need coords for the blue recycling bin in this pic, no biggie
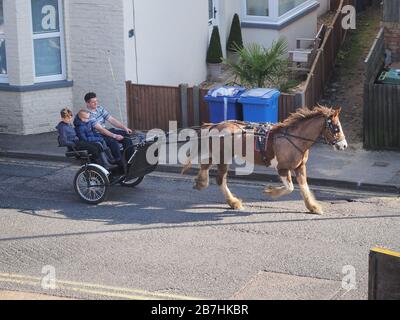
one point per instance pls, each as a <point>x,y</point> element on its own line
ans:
<point>260,105</point>
<point>223,103</point>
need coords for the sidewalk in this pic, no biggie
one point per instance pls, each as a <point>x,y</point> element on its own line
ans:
<point>362,170</point>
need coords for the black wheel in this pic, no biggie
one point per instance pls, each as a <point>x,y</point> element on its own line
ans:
<point>131,183</point>
<point>91,185</point>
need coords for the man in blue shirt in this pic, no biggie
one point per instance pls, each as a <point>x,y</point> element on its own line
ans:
<point>113,136</point>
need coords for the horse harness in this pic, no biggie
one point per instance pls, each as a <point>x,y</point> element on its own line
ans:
<point>262,133</point>
<point>332,128</point>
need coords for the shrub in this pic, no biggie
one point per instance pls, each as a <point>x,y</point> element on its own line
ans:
<point>214,52</point>
<point>235,40</point>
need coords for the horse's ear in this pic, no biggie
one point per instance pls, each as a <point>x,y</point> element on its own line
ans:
<point>337,112</point>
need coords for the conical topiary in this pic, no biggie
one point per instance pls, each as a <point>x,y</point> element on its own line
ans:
<point>214,52</point>
<point>235,40</point>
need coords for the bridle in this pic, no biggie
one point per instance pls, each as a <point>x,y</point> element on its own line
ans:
<point>333,130</point>
<point>331,135</point>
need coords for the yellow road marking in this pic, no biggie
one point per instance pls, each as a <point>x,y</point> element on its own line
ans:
<point>387,252</point>
<point>104,290</point>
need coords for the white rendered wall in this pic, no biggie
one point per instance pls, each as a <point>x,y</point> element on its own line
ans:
<point>171,38</point>
<point>305,27</point>
<point>96,41</point>
<point>324,7</point>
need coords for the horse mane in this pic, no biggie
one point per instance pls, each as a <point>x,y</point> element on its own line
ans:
<point>304,114</point>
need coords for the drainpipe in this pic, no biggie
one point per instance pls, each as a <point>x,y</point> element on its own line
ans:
<point>132,33</point>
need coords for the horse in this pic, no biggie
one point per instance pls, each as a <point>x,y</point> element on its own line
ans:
<point>286,147</point>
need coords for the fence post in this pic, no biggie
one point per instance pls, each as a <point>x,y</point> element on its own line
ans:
<point>128,85</point>
<point>184,105</point>
<point>196,105</point>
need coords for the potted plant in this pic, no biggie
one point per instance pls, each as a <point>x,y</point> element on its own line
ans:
<point>258,65</point>
<point>235,40</point>
<point>214,55</point>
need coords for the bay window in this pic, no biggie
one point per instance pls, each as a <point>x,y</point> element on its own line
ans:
<point>48,40</point>
<point>274,10</point>
<point>3,59</point>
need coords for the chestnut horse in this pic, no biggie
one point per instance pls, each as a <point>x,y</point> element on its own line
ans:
<point>286,148</point>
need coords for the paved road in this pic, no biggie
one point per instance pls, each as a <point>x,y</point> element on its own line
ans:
<point>165,241</point>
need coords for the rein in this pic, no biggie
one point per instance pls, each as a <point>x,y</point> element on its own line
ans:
<point>287,136</point>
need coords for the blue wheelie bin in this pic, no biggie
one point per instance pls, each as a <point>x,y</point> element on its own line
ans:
<point>260,105</point>
<point>223,103</point>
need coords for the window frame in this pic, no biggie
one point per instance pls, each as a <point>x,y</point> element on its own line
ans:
<point>4,77</point>
<point>46,35</point>
<point>274,17</point>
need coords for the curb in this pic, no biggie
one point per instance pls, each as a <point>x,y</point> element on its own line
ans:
<point>262,177</point>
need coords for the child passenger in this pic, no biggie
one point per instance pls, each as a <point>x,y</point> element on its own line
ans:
<point>67,137</point>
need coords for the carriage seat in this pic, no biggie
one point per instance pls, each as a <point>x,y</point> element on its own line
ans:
<point>81,154</point>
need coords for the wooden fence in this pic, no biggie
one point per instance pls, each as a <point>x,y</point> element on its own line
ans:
<point>391,11</point>
<point>152,107</point>
<point>324,62</point>
<point>381,103</point>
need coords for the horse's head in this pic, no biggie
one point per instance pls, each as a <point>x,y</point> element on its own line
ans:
<point>333,131</point>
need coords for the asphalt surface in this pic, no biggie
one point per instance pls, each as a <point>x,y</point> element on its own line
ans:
<point>164,240</point>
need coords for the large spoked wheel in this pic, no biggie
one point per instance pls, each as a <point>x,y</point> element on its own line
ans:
<point>131,183</point>
<point>91,185</point>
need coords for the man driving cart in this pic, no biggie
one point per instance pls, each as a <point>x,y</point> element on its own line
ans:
<point>114,136</point>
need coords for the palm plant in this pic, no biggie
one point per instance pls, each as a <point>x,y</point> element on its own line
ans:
<point>258,65</point>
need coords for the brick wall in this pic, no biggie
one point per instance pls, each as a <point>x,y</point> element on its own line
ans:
<point>11,119</point>
<point>392,39</point>
<point>32,112</point>
<point>42,111</point>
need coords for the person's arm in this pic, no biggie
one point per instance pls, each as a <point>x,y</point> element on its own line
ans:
<point>81,133</point>
<point>62,137</point>
<point>118,124</point>
<point>108,133</point>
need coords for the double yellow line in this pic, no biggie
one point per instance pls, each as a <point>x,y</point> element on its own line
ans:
<point>91,289</point>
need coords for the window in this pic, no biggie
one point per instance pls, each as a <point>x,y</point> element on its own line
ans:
<point>3,60</point>
<point>287,5</point>
<point>257,8</point>
<point>274,10</point>
<point>48,42</point>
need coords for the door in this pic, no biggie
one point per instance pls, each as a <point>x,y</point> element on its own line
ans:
<point>213,12</point>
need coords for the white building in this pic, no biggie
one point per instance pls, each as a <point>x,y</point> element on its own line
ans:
<point>54,51</point>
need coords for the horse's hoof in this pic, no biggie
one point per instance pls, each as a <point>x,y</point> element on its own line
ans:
<point>272,192</point>
<point>316,210</point>
<point>269,191</point>
<point>236,204</point>
<point>200,186</point>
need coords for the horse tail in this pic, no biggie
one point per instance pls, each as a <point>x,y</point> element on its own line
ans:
<point>186,167</point>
